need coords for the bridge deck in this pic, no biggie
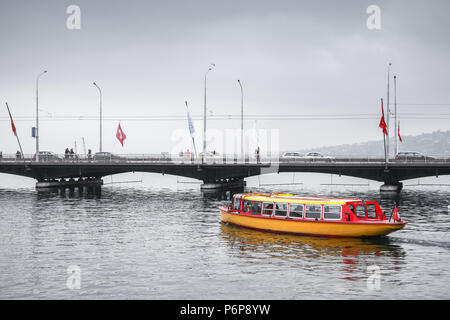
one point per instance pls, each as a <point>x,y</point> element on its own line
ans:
<point>220,169</point>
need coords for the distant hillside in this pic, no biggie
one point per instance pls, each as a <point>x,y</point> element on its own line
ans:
<point>435,143</point>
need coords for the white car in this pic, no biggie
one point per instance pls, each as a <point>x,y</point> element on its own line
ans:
<point>317,156</point>
<point>211,155</point>
<point>291,155</point>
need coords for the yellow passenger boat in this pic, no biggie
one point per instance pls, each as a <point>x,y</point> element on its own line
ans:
<point>318,216</point>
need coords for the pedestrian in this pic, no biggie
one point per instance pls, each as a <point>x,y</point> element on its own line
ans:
<point>18,155</point>
<point>257,155</point>
<point>89,154</point>
<point>66,153</point>
<point>72,153</point>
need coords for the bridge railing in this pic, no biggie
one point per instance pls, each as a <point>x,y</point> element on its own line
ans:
<point>135,158</point>
<point>210,159</point>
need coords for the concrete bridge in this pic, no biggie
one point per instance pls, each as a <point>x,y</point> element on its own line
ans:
<point>217,173</point>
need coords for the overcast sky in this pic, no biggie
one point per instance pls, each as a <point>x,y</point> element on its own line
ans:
<point>301,58</point>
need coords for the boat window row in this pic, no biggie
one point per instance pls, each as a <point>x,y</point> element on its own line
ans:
<point>361,211</point>
<point>291,210</point>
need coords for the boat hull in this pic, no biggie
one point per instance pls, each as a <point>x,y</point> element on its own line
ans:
<point>315,228</point>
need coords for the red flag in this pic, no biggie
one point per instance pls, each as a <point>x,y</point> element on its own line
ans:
<point>120,135</point>
<point>396,215</point>
<point>13,127</point>
<point>399,137</point>
<point>382,124</point>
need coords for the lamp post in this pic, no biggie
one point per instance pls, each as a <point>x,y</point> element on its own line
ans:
<point>37,114</point>
<point>242,120</point>
<point>100,91</point>
<point>204,115</point>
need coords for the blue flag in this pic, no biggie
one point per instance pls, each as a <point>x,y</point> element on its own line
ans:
<point>190,123</point>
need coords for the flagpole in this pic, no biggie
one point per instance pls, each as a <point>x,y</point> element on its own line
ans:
<point>15,132</point>
<point>395,115</point>
<point>384,139</point>
<point>388,111</point>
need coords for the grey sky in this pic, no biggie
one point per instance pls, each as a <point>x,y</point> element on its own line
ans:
<point>293,57</point>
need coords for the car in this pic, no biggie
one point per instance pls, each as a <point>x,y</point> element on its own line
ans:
<point>211,155</point>
<point>106,156</point>
<point>47,156</point>
<point>291,156</point>
<point>317,156</point>
<point>412,155</point>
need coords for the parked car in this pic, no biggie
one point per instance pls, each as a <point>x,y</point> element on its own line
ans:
<point>106,156</point>
<point>47,156</point>
<point>291,156</point>
<point>412,155</point>
<point>317,156</point>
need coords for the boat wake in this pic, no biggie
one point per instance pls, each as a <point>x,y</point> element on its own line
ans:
<point>423,242</point>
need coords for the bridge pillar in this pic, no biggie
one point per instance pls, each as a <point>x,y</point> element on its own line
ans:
<point>82,184</point>
<point>225,185</point>
<point>391,188</point>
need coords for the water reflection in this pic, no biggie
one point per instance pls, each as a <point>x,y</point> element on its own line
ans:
<point>88,193</point>
<point>221,194</point>
<point>347,252</point>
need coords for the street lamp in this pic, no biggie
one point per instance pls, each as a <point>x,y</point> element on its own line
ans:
<point>204,116</point>
<point>37,114</point>
<point>242,120</point>
<point>100,91</point>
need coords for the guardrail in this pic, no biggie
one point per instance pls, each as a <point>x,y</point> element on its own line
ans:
<point>217,159</point>
<point>143,158</point>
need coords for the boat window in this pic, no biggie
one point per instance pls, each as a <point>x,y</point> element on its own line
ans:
<point>332,212</point>
<point>360,211</point>
<point>237,203</point>
<point>256,207</point>
<point>295,210</point>
<point>246,206</point>
<point>313,211</point>
<point>371,211</point>
<point>280,209</point>
<point>267,208</point>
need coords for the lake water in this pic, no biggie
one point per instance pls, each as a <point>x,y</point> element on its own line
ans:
<point>159,239</point>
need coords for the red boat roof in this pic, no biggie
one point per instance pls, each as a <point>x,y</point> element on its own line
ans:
<point>291,197</point>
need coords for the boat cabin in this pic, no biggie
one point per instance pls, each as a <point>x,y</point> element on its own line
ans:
<point>283,206</point>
